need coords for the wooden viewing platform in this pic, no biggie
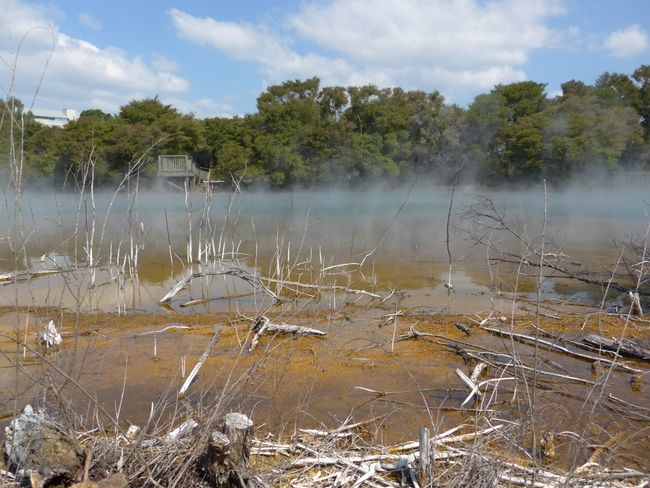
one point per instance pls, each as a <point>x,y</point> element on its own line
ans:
<point>178,170</point>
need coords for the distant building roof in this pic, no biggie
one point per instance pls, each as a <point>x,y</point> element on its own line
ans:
<point>54,118</point>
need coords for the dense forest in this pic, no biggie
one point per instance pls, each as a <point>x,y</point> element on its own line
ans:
<point>304,134</point>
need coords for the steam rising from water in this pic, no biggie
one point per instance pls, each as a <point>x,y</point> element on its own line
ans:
<point>408,231</point>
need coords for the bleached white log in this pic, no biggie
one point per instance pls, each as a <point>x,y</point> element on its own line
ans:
<point>263,325</point>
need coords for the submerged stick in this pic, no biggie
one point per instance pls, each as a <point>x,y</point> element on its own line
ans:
<point>298,284</point>
<point>254,281</point>
<point>7,278</point>
<point>449,284</point>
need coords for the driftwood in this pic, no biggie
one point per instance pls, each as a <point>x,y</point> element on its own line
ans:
<point>391,458</point>
<point>343,431</point>
<point>508,361</point>
<point>8,278</point>
<point>556,347</point>
<point>625,347</point>
<point>576,343</point>
<point>174,435</point>
<point>254,281</point>
<point>263,324</point>
<point>188,381</point>
<point>345,289</point>
<point>473,384</point>
<point>224,460</point>
<point>387,468</point>
<point>258,282</point>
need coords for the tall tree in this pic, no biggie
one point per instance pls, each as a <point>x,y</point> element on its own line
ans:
<point>589,131</point>
<point>511,120</point>
<point>642,78</point>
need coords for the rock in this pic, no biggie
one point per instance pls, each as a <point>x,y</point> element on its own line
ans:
<point>36,448</point>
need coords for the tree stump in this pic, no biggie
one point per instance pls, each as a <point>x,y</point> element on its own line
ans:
<point>226,458</point>
<point>215,458</point>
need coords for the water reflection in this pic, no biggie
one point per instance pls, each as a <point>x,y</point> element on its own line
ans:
<point>126,250</point>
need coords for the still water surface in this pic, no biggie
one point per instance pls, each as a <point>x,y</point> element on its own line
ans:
<point>141,244</point>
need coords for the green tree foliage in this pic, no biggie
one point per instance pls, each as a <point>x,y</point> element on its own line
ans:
<point>616,88</point>
<point>510,122</point>
<point>306,134</point>
<point>641,77</point>
<point>589,132</point>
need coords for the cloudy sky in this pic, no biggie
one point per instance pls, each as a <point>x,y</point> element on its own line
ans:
<point>213,57</point>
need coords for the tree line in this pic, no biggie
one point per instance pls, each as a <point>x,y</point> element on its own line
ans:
<point>305,134</point>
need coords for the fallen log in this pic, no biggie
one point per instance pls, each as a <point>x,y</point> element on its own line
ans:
<point>555,347</point>
<point>624,347</point>
<point>576,343</point>
<point>507,361</point>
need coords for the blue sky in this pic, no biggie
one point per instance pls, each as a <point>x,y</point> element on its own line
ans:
<point>212,58</point>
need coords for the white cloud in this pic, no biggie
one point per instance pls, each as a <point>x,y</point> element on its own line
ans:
<point>628,42</point>
<point>162,63</point>
<point>241,41</point>
<point>76,73</point>
<point>89,21</point>
<point>457,46</point>
<point>201,108</point>
<point>456,32</point>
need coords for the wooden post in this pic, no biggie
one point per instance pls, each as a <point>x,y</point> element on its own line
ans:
<point>426,470</point>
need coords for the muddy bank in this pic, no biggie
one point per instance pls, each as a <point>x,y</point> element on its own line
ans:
<point>366,366</point>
